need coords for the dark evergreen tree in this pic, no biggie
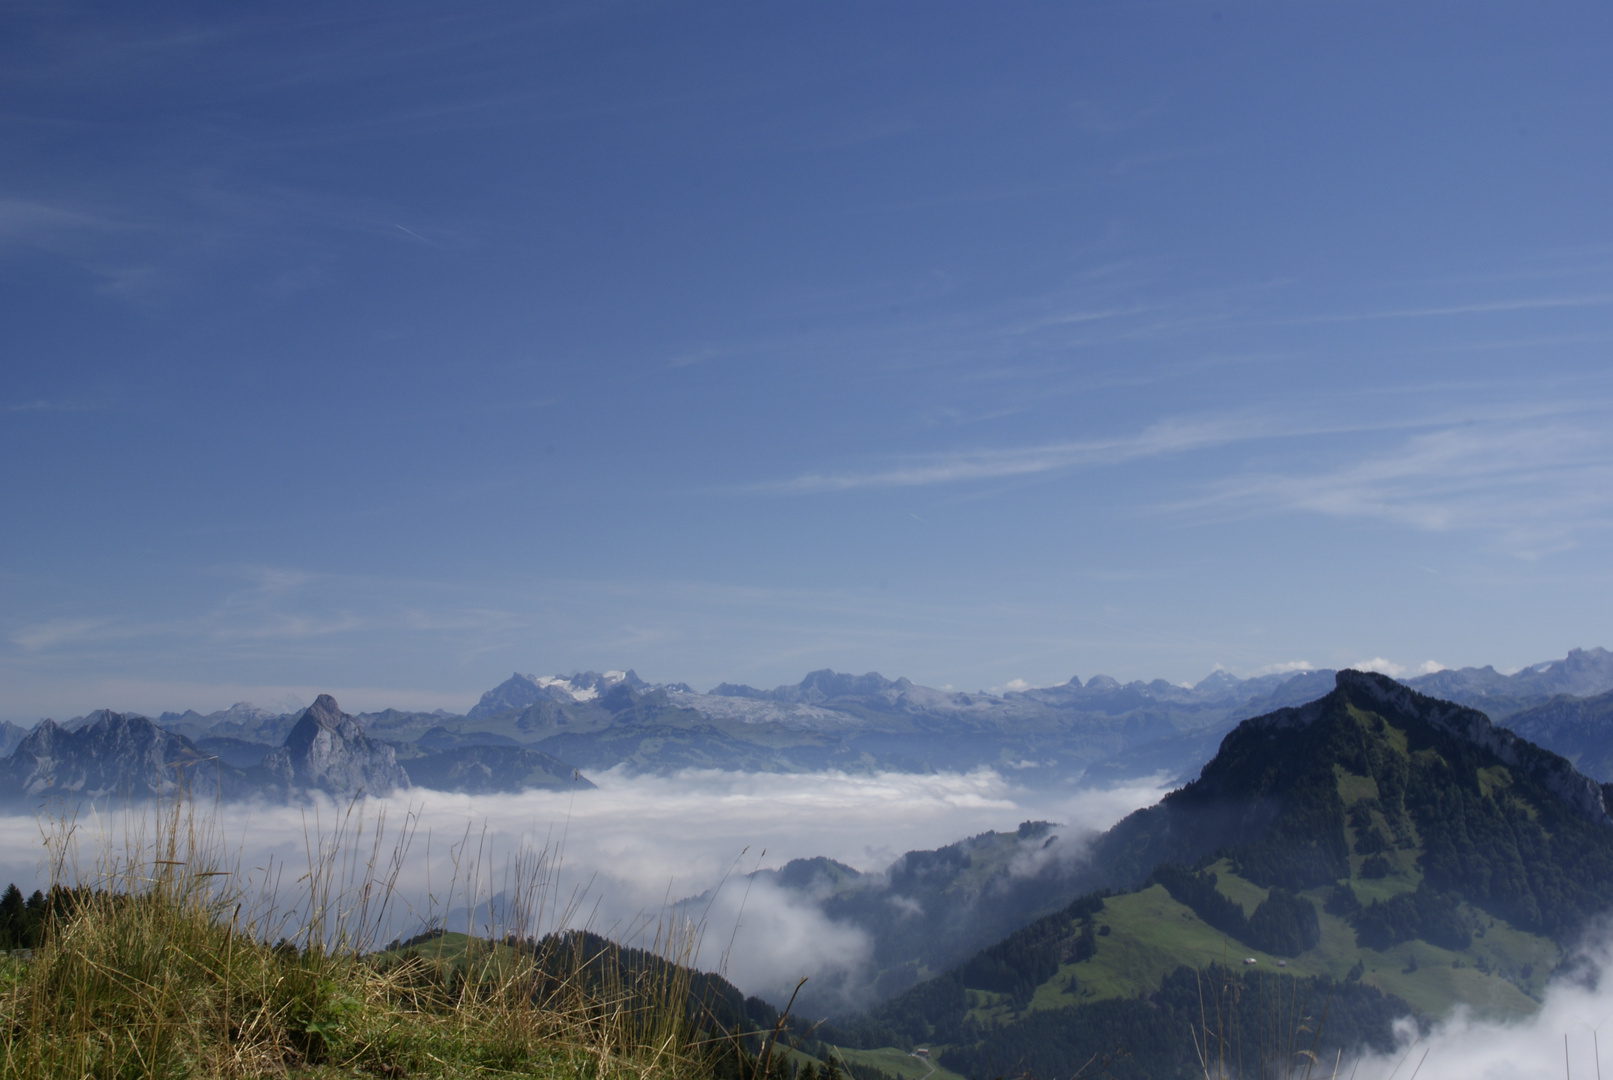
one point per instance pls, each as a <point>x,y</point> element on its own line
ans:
<point>1284,924</point>
<point>13,914</point>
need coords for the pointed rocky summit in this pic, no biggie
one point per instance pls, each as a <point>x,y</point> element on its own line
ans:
<point>328,751</point>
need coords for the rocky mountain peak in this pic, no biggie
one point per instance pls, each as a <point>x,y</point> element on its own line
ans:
<point>1217,680</point>
<point>827,684</point>
<point>328,751</point>
<point>109,754</point>
<point>325,712</point>
<point>11,735</point>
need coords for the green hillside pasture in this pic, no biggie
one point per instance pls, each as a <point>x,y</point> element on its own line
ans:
<point>1151,934</point>
<point>898,1063</point>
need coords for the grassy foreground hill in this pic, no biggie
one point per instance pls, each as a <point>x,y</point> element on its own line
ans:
<point>165,961</point>
<point>1373,854</point>
<point>162,983</point>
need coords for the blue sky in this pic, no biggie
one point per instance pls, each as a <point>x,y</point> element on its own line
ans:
<point>389,350</point>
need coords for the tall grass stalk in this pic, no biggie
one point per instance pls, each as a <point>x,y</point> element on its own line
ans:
<point>163,958</point>
<point>1285,1039</point>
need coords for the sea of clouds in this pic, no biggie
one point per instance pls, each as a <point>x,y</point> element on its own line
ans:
<point>617,858</point>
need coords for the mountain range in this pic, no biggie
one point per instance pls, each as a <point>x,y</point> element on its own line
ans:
<point>1097,730</point>
<point>544,731</point>
<point>109,755</point>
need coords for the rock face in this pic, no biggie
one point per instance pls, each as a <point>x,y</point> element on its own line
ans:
<point>112,754</point>
<point>328,751</point>
<point>10,735</point>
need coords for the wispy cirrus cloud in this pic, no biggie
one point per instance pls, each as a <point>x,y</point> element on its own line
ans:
<point>1534,476</point>
<point>1493,307</point>
<point>28,220</point>
<point>48,405</point>
<point>1534,484</point>
<point>44,635</point>
<point>1158,440</point>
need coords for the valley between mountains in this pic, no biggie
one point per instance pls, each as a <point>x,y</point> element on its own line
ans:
<point>1361,849</point>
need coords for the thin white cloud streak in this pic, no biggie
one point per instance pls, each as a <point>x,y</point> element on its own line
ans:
<point>1533,485</point>
<point>1161,439</point>
<point>56,632</point>
<point>1540,303</point>
<point>638,843</point>
<point>45,405</point>
<point>1510,440</point>
<point>1561,1039</point>
<point>25,220</point>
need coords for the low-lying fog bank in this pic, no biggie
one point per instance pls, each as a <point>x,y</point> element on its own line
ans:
<point>629,848</point>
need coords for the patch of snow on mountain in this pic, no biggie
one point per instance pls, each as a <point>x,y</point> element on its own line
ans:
<point>564,685</point>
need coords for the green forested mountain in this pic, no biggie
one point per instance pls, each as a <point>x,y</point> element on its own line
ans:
<point>1371,854</point>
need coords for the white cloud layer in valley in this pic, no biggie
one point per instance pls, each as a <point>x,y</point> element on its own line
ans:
<point>636,844</point>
